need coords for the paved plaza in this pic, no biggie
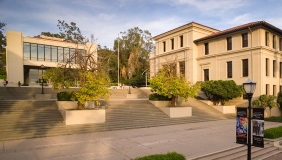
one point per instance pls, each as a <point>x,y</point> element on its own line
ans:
<point>191,140</point>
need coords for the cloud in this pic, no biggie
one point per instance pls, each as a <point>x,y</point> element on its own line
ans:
<point>241,19</point>
<point>208,5</point>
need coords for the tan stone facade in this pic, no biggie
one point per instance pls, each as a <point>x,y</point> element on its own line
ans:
<point>251,50</point>
<point>25,55</point>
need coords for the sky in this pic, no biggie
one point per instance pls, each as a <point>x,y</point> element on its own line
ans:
<point>107,18</point>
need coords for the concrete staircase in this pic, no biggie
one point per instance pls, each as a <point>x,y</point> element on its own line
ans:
<point>240,153</point>
<point>30,119</point>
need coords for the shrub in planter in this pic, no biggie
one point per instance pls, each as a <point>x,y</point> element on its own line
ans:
<point>157,97</point>
<point>65,96</point>
<point>273,133</point>
<point>168,156</point>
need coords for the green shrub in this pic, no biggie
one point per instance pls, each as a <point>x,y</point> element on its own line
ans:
<point>273,133</point>
<point>157,97</point>
<point>65,96</point>
<point>168,156</point>
<point>25,84</point>
<point>274,119</point>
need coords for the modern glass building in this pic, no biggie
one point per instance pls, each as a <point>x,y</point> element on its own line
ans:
<point>27,55</point>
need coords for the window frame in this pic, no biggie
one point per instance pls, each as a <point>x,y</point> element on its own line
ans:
<point>229,69</point>
<point>245,67</point>
<point>245,40</point>
<point>266,38</point>
<point>229,43</point>
<point>206,48</point>
<point>206,74</point>
<point>172,43</point>
<point>181,39</point>
<point>266,66</point>
<point>274,41</point>
<point>164,46</point>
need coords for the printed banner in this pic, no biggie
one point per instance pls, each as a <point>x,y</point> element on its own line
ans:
<point>241,126</point>
<point>258,127</point>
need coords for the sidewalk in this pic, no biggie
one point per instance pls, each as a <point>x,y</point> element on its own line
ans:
<point>191,140</point>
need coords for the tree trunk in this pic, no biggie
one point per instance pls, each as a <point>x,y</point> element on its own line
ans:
<point>80,106</point>
<point>270,112</point>
<point>173,101</point>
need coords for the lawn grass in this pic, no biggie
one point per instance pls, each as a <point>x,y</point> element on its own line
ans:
<point>168,156</point>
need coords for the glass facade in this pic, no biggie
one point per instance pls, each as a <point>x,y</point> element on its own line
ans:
<point>41,52</point>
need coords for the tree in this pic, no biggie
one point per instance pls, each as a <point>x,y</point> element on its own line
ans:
<point>135,46</point>
<point>2,38</point>
<point>170,84</point>
<point>82,67</point>
<point>221,91</point>
<point>266,101</point>
<point>69,32</point>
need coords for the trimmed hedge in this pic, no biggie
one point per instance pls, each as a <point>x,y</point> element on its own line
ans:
<point>168,156</point>
<point>65,96</point>
<point>274,119</point>
<point>157,97</point>
<point>273,133</point>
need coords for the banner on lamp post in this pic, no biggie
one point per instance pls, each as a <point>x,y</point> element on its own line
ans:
<point>241,125</point>
<point>258,127</point>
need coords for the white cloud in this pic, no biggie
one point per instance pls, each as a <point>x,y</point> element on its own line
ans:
<point>241,19</point>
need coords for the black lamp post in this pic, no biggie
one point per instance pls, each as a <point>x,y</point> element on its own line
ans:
<point>129,76</point>
<point>249,87</point>
<point>42,80</point>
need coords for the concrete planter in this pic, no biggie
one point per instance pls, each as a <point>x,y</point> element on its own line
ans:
<point>83,116</point>
<point>225,109</point>
<point>161,103</point>
<point>173,112</point>
<point>66,105</point>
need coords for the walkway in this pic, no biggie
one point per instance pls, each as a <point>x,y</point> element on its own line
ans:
<point>191,140</point>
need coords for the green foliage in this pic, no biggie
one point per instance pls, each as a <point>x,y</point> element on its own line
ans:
<point>69,32</point>
<point>65,96</point>
<point>95,86</point>
<point>221,91</point>
<point>3,73</point>
<point>168,156</point>
<point>4,58</point>
<point>279,99</point>
<point>168,84</point>
<point>25,84</point>
<point>266,101</point>
<point>134,46</point>
<point>274,119</point>
<point>2,39</point>
<point>157,97</point>
<point>273,133</point>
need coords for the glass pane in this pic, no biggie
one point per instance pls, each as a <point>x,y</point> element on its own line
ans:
<point>54,54</point>
<point>60,54</point>
<point>33,75</point>
<point>48,53</point>
<point>40,52</point>
<point>33,52</point>
<point>26,50</point>
<point>72,55</point>
<point>66,54</point>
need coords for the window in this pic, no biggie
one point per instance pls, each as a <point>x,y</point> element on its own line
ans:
<point>33,53</point>
<point>274,42</point>
<point>274,90</point>
<point>280,70</point>
<point>280,89</point>
<point>60,54</point>
<point>229,43</point>
<point>48,53</point>
<point>54,54</point>
<point>280,44</point>
<point>229,69</point>
<point>66,54</point>
<point>26,48</point>
<point>266,67</point>
<point>245,40</point>
<point>206,48</point>
<point>267,89</point>
<point>172,44</point>
<point>164,46</point>
<point>266,38</point>
<point>274,68</point>
<point>181,41</point>
<point>206,75</point>
<point>182,68</point>
<point>245,69</point>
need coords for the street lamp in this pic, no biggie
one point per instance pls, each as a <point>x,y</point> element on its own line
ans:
<point>249,87</point>
<point>42,80</point>
<point>129,76</point>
